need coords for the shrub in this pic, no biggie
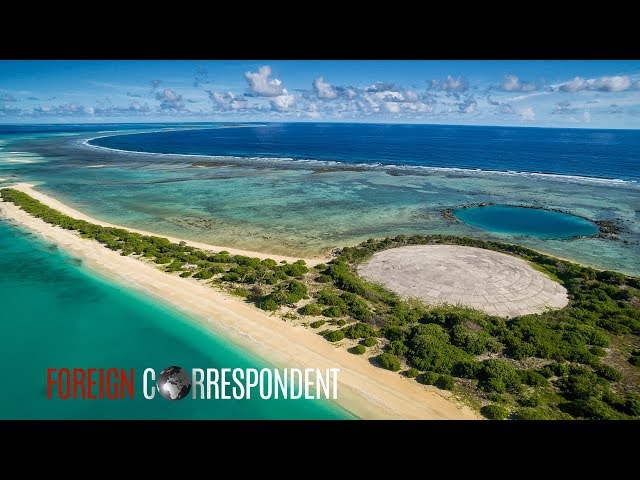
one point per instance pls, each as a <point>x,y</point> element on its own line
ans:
<point>359,330</point>
<point>334,335</point>
<point>332,312</point>
<point>369,342</point>
<point>598,351</point>
<point>635,361</point>
<point>256,291</point>
<point>327,297</point>
<point>427,352</point>
<point>295,269</point>
<point>320,266</point>
<point>241,292</point>
<point>466,369</point>
<point>501,371</point>
<point>339,323</point>
<point>412,373</point>
<point>186,274</point>
<point>269,304</point>
<point>317,324</point>
<point>323,278</point>
<point>495,412</point>
<point>203,275</point>
<point>445,382</point>
<point>632,407</point>
<point>358,350</point>
<point>163,260</point>
<point>493,385</point>
<point>397,348</point>
<point>592,409</point>
<point>429,378</point>
<point>605,371</point>
<point>532,378</point>
<point>389,361</point>
<point>532,401</point>
<point>297,290</point>
<point>311,309</point>
<point>215,269</point>
<point>528,413</point>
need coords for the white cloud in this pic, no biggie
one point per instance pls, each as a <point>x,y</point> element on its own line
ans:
<point>262,84</point>
<point>392,107</point>
<point>284,102</point>
<point>512,83</point>
<point>170,100</point>
<point>617,83</point>
<point>457,84</point>
<point>227,101</point>
<point>324,89</point>
<point>587,116</point>
<point>575,85</point>
<point>526,113</point>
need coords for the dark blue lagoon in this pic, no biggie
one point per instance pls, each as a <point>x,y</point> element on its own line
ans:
<point>536,222</point>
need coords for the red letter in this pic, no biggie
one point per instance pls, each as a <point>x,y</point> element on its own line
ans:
<point>126,382</point>
<point>78,372</point>
<point>50,381</point>
<point>64,372</point>
<point>101,383</point>
<point>112,395</point>
<point>90,384</point>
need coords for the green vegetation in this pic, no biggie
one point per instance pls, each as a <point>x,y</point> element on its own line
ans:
<point>557,364</point>
<point>334,335</point>
<point>311,309</point>
<point>389,361</point>
<point>317,323</point>
<point>358,350</point>
<point>412,373</point>
<point>369,342</point>
<point>495,412</point>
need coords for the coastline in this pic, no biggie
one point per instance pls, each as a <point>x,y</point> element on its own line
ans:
<point>29,189</point>
<point>365,391</point>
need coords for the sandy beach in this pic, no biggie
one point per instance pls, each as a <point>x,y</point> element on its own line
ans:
<point>366,391</point>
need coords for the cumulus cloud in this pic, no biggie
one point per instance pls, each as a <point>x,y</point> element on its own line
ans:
<point>617,83</point>
<point>170,100</point>
<point>283,103</point>
<point>324,89</point>
<point>575,85</point>
<point>262,84</point>
<point>5,97</point>
<point>468,105</point>
<point>526,113</point>
<point>392,107</point>
<point>457,84</point>
<point>227,101</point>
<point>8,109</point>
<point>587,116</point>
<point>512,83</point>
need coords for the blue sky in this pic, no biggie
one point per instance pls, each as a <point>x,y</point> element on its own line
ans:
<point>587,94</point>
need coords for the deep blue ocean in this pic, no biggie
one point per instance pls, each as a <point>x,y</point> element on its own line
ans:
<point>611,154</point>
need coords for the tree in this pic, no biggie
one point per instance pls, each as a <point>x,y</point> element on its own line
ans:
<point>445,382</point>
<point>358,350</point>
<point>369,342</point>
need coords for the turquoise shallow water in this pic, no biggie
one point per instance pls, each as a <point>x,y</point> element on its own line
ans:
<point>526,221</point>
<point>304,208</point>
<point>54,313</point>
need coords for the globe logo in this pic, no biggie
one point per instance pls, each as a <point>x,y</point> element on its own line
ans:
<point>174,383</point>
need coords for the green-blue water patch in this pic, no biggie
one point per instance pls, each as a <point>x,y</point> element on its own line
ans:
<point>535,222</point>
<point>55,313</point>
